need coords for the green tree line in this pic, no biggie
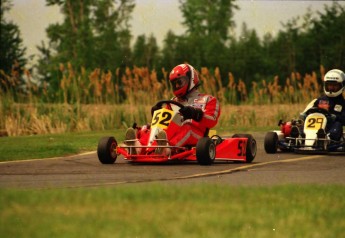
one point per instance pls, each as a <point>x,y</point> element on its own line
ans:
<point>97,35</point>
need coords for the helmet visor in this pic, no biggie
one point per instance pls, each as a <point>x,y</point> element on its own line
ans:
<point>179,83</point>
<point>332,86</point>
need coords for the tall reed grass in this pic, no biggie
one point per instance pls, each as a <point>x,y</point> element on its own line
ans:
<point>60,118</point>
<point>137,85</point>
<point>100,100</point>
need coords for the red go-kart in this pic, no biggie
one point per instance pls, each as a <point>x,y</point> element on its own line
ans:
<point>238,148</point>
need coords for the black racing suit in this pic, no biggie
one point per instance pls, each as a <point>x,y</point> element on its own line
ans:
<point>337,108</point>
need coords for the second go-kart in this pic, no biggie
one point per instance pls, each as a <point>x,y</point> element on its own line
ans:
<point>307,136</point>
<point>238,148</point>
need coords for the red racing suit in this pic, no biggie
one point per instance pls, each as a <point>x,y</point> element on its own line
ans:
<point>190,131</point>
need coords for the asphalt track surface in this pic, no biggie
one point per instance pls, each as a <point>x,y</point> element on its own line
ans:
<point>85,170</point>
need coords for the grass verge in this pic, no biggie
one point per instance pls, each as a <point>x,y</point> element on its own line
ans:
<point>158,210</point>
<point>46,146</point>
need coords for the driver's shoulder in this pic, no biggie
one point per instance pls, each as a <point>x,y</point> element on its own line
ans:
<point>207,97</point>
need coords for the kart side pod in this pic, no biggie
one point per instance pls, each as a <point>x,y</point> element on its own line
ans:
<point>240,147</point>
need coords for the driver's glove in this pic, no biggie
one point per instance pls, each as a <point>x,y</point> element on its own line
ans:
<point>302,116</point>
<point>333,117</point>
<point>154,108</point>
<point>189,112</point>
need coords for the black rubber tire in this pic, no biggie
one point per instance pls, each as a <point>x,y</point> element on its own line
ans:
<point>251,147</point>
<point>205,151</point>
<point>106,150</point>
<point>271,142</point>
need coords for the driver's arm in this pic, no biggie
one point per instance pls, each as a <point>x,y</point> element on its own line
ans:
<point>211,113</point>
<point>341,117</point>
<point>313,103</point>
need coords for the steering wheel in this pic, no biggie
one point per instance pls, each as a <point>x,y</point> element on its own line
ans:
<point>319,110</point>
<point>160,103</point>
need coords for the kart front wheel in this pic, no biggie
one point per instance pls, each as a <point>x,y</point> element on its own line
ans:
<point>271,142</point>
<point>205,151</point>
<point>251,147</point>
<point>106,150</point>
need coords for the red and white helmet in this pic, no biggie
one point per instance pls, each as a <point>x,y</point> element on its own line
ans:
<point>183,78</point>
<point>334,83</point>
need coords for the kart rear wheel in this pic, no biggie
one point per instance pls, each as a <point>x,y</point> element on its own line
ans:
<point>251,147</point>
<point>271,142</point>
<point>106,150</point>
<point>205,151</point>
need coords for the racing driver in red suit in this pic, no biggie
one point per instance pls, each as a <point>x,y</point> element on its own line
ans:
<point>200,112</point>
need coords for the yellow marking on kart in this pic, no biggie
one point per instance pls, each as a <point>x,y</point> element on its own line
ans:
<point>314,122</point>
<point>212,133</point>
<point>161,118</point>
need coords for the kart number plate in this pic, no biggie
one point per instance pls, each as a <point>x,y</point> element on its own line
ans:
<point>161,118</point>
<point>314,122</point>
